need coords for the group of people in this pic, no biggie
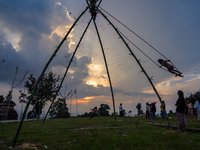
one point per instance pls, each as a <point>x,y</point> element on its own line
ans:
<point>180,109</point>
<point>151,110</point>
<point>191,105</point>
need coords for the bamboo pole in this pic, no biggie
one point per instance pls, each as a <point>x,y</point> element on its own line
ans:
<point>65,74</point>
<point>106,68</point>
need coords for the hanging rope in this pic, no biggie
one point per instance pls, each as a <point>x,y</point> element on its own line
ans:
<point>138,37</point>
<point>142,51</point>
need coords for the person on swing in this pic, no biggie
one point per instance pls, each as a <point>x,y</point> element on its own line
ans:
<point>169,67</point>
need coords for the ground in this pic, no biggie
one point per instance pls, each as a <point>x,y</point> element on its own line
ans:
<point>100,133</point>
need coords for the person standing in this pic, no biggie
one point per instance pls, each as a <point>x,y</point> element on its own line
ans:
<point>162,109</point>
<point>180,109</point>
<point>120,110</point>
<point>147,111</point>
<point>190,109</point>
<point>153,111</point>
<point>197,106</point>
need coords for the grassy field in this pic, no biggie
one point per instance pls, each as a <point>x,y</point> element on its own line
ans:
<point>100,133</point>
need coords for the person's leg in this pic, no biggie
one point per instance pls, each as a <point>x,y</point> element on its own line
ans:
<point>192,116</point>
<point>198,114</point>
<point>152,116</point>
<point>183,121</point>
<point>179,121</point>
<point>163,114</point>
<point>189,112</point>
<point>147,114</point>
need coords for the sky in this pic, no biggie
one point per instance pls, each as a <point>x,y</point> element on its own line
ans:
<point>31,30</point>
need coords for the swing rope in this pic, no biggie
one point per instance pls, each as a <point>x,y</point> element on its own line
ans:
<point>142,51</point>
<point>139,37</point>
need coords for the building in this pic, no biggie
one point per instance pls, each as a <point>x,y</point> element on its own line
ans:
<point>7,111</point>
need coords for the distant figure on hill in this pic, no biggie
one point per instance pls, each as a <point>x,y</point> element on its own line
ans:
<point>147,111</point>
<point>180,109</point>
<point>94,111</point>
<point>120,110</point>
<point>153,111</point>
<point>169,67</point>
<point>197,106</point>
<point>162,109</point>
<point>190,109</point>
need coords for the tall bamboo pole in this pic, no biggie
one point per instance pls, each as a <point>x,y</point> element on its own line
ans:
<point>65,74</point>
<point>138,63</point>
<point>45,68</point>
<point>111,89</point>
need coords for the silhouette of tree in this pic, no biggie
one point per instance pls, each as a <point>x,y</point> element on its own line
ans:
<point>46,91</point>
<point>103,110</point>
<point>139,107</point>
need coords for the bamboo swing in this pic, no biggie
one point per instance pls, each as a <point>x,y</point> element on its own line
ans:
<point>94,7</point>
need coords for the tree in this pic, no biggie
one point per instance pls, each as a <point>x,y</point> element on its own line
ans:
<point>59,109</point>
<point>1,98</point>
<point>103,110</point>
<point>22,99</point>
<point>139,107</point>
<point>86,114</point>
<point>46,91</point>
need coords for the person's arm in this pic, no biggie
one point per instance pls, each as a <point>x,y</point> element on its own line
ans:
<point>177,103</point>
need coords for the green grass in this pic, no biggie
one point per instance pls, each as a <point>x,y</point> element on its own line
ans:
<point>100,133</point>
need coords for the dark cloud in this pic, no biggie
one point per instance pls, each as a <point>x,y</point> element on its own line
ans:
<point>32,22</point>
<point>9,59</point>
<point>20,16</point>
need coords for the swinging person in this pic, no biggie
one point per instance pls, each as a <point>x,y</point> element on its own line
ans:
<point>169,67</point>
<point>94,111</point>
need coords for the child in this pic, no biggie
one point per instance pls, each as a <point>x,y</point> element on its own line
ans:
<point>162,109</point>
<point>190,109</point>
<point>169,67</point>
<point>93,112</point>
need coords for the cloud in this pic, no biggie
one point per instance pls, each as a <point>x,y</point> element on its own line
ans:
<point>33,22</point>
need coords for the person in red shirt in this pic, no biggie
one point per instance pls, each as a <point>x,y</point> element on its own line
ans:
<point>94,111</point>
<point>169,67</point>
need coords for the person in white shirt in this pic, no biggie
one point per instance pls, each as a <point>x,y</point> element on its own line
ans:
<point>120,110</point>
<point>147,111</point>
